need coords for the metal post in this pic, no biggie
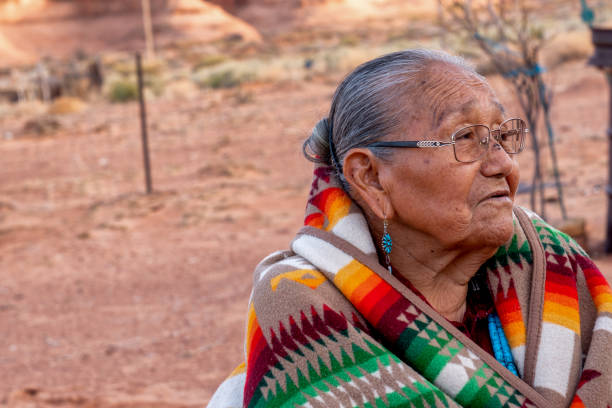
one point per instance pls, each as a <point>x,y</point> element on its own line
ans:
<point>143,126</point>
<point>602,59</point>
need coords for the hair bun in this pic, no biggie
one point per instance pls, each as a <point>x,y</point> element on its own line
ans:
<point>316,147</point>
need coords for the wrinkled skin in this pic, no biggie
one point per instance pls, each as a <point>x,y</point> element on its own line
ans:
<point>434,197</point>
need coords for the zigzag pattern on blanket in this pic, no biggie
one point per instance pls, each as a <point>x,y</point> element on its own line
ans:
<point>324,360</point>
<point>423,343</point>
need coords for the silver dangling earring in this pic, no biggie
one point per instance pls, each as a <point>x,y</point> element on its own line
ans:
<point>387,244</point>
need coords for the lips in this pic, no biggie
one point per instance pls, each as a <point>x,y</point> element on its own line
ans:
<point>503,194</point>
<point>498,193</point>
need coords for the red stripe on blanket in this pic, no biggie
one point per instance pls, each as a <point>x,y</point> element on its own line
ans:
<point>509,311</point>
<point>382,298</point>
<point>560,282</point>
<point>316,220</point>
<point>597,284</point>
<point>260,358</point>
<point>566,291</point>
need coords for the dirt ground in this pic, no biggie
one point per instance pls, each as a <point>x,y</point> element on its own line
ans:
<point>113,298</point>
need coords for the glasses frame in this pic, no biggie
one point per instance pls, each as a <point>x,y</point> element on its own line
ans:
<point>439,143</point>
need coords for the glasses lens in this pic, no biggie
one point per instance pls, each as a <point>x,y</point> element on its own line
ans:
<point>512,135</point>
<point>471,143</point>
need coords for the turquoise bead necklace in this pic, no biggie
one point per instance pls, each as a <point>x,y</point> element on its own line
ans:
<point>501,348</point>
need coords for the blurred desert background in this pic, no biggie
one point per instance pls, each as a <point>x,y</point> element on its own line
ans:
<point>110,297</point>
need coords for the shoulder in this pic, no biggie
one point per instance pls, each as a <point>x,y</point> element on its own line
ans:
<point>287,289</point>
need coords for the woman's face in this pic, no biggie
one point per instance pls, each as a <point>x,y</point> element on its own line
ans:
<point>459,205</point>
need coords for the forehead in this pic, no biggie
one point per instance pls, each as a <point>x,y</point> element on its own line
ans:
<point>452,92</point>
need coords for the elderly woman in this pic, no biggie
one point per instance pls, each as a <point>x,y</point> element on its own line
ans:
<point>415,280</point>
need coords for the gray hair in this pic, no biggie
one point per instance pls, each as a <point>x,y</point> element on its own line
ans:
<point>365,107</point>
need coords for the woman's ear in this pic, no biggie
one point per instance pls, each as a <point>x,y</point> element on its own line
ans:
<point>362,171</point>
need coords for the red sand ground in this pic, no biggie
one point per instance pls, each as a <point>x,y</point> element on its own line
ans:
<point>110,298</point>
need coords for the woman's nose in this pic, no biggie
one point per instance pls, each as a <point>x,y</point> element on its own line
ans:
<point>496,161</point>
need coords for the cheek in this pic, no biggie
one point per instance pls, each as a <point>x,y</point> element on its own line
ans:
<point>435,190</point>
<point>453,195</point>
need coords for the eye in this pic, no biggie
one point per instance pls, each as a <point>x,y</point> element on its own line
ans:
<point>465,135</point>
<point>508,135</point>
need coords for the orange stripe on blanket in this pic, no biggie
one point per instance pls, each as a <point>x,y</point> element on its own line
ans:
<point>562,315</point>
<point>603,302</point>
<point>509,311</point>
<point>337,209</point>
<point>350,277</point>
<point>515,333</point>
<point>334,203</point>
<point>366,290</point>
<point>252,326</point>
<point>561,299</point>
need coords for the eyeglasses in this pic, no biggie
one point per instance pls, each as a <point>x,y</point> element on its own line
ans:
<point>471,143</point>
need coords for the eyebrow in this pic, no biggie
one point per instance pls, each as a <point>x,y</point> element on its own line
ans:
<point>463,109</point>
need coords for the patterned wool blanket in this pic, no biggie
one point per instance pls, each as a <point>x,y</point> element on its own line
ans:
<point>328,326</point>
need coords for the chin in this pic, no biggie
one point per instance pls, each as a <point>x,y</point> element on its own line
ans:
<point>494,230</point>
<point>498,231</point>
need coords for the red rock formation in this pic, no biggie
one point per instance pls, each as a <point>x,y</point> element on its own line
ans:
<point>60,28</point>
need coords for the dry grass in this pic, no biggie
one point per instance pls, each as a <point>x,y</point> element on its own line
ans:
<point>209,61</point>
<point>292,66</point>
<point>66,105</point>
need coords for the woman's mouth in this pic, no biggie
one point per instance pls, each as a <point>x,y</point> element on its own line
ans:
<point>502,196</point>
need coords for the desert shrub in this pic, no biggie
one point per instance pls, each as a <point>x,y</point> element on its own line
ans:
<point>123,90</point>
<point>228,74</point>
<point>222,79</point>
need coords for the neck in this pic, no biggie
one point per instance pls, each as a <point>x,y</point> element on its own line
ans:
<point>442,276</point>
